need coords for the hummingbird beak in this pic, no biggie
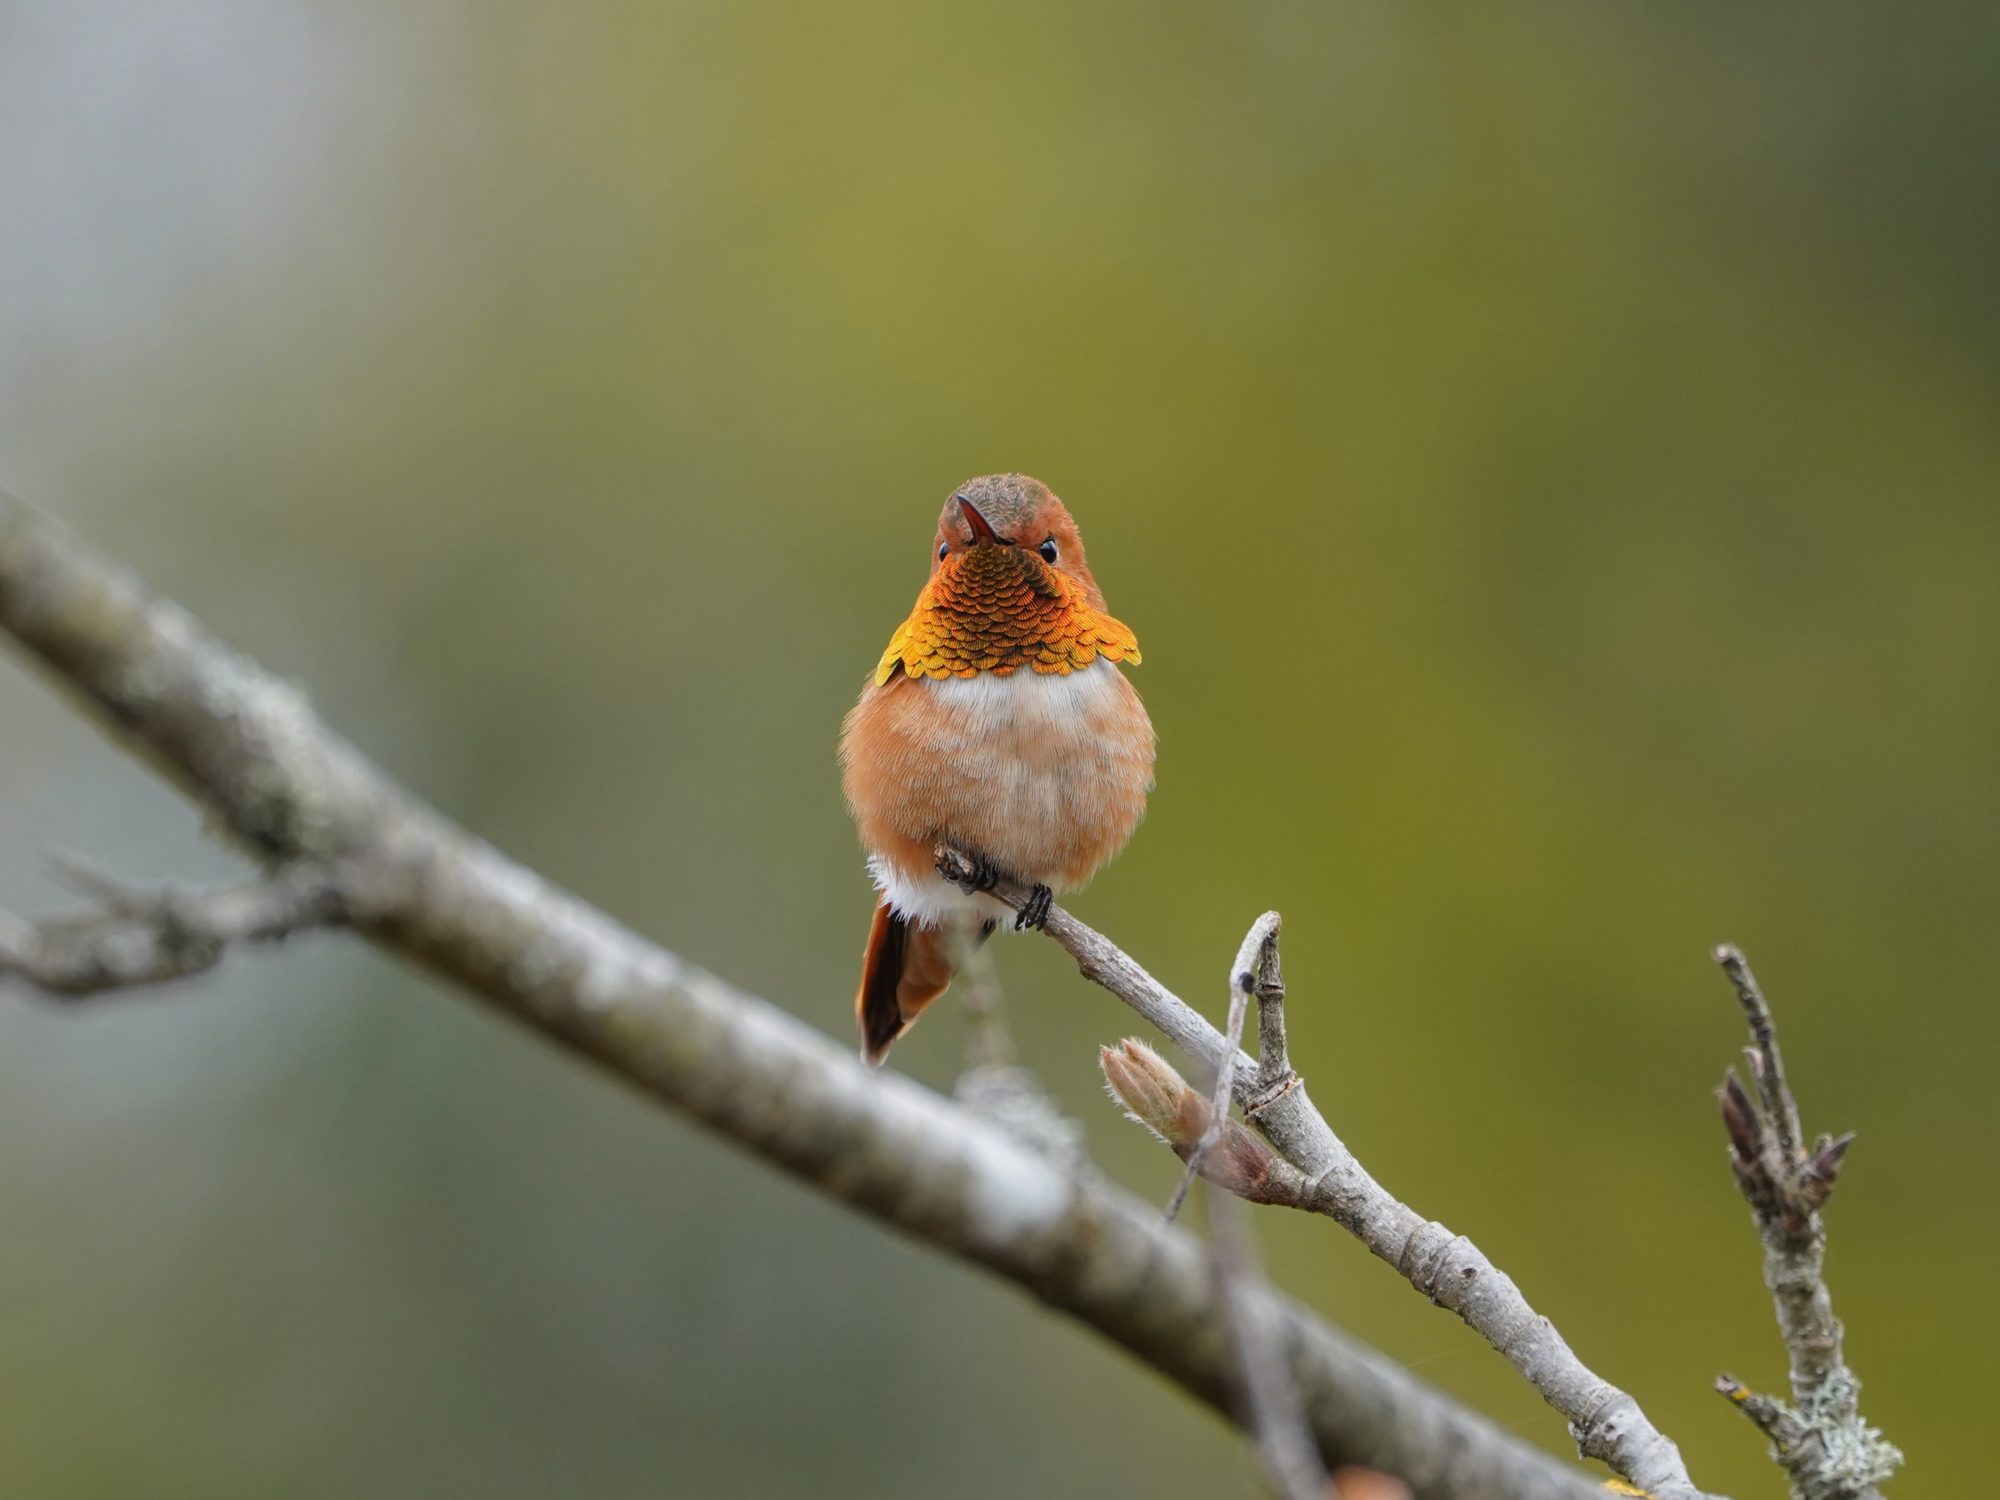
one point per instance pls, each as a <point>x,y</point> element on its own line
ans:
<point>982,533</point>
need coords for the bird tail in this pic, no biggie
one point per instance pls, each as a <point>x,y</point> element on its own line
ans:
<point>903,969</point>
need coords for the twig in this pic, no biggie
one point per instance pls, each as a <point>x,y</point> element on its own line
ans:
<point>990,1043</point>
<point>1606,1422</point>
<point>1269,1402</point>
<point>1262,939</point>
<point>137,938</point>
<point>1825,1448</point>
<point>992,1085</point>
<point>1274,1063</point>
<point>249,748</point>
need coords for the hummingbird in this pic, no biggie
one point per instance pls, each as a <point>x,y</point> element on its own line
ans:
<point>998,722</point>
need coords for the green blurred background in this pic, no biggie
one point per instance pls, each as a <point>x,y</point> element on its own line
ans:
<point>1547,454</point>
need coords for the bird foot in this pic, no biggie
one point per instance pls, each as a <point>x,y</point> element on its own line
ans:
<point>1034,912</point>
<point>971,873</point>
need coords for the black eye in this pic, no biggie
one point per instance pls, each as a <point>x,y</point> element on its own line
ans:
<point>943,547</point>
<point>1048,550</point>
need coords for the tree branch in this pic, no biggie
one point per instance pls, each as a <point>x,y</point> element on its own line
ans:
<point>248,747</point>
<point>1261,940</point>
<point>1268,1403</point>
<point>1448,1269</point>
<point>140,938</point>
<point>1825,1448</point>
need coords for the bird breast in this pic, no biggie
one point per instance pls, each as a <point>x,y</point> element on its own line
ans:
<point>1044,774</point>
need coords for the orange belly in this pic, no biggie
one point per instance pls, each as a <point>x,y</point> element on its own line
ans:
<point>1045,775</point>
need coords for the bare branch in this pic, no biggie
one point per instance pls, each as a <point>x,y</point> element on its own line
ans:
<point>1274,1063</point>
<point>1233,1163</point>
<point>1773,1418</point>
<point>137,938</point>
<point>1766,1066</point>
<point>1269,1402</point>
<point>1821,1442</point>
<point>990,1043</point>
<point>249,748</point>
<point>1606,1422</point>
<point>1261,939</point>
<point>992,1085</point>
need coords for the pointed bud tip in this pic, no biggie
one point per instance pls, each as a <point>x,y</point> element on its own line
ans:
<point>1145,1085</point>
<point>1739,1118</point>
<point>1826,1161</point>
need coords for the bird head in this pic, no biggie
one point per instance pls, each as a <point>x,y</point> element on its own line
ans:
<point>1009,588</point>
<point>1012,511</point>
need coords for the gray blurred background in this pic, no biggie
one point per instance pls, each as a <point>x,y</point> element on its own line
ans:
<point>1548,457</point>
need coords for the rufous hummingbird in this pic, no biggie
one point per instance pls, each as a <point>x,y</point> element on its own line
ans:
<point>997,722</point>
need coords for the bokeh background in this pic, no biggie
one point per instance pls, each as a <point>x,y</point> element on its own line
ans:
<point>1547,453</point>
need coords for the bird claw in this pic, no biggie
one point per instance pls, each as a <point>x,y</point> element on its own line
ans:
<point>1034,912</point>
<point>973,873</point>
<point>970,872</point>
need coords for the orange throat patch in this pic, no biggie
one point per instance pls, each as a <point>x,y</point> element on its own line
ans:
<point>997,609</point>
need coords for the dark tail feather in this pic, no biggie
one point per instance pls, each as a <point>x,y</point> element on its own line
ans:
<point>903,969</point>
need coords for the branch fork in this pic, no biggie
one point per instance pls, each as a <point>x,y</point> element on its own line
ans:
<point>1820,1440</point>
<point>1606,1422</point>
